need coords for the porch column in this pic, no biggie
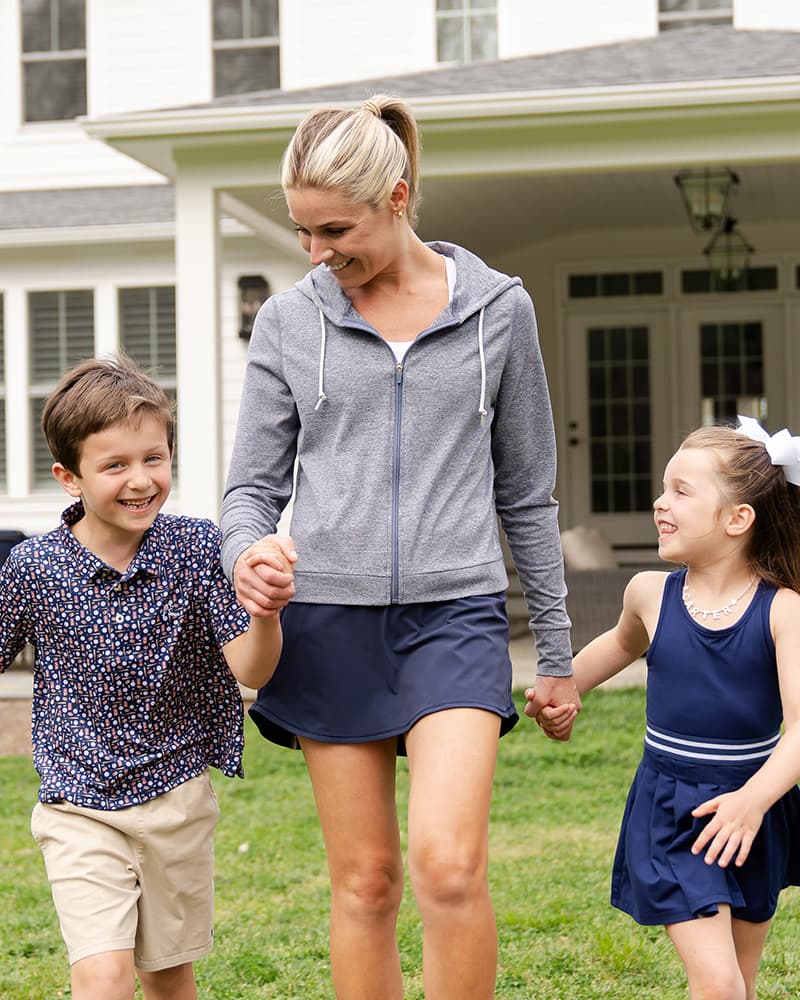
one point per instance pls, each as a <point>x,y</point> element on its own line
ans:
<point>197,279</point>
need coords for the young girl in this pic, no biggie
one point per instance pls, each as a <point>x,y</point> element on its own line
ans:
<point>709,836</point>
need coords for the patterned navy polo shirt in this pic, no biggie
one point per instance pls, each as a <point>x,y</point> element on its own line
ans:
<point>131,692</point>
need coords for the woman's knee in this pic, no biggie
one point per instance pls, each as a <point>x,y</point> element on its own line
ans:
<point>447,873</point>
<point>367,888</point>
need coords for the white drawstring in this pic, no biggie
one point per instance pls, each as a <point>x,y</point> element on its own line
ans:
<point>482,405</point>
<point>322,398</point>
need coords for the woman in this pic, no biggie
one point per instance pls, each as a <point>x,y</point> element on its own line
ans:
<point>406,381</point>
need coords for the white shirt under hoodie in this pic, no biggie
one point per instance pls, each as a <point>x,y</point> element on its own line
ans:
<point>401,465</point>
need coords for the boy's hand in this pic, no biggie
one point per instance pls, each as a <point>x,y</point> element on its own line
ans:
<point>556,721</point>
<point>731,832</point>
<point>264,575</point>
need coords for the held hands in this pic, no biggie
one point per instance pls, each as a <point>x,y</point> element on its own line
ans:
<point>554,703</point>
<point>264,575</point>
<point>736,821</point>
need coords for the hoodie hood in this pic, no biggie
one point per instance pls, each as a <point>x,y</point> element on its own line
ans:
<point>477,284</point>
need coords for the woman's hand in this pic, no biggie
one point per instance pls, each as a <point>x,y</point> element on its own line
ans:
<point>263,575</point>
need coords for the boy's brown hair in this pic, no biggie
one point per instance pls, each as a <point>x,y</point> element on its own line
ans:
<point>99,393</point>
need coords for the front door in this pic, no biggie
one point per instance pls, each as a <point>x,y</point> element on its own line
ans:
<point>639,382</point>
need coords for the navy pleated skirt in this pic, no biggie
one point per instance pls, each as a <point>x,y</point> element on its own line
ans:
<point>353,674</point>
<point>656,878</point>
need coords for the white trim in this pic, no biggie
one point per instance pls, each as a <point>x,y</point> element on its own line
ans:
<point>622,97</point>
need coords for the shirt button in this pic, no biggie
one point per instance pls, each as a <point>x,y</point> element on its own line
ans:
<point>119,618</point>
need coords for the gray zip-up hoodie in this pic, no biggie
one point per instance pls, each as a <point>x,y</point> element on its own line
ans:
<point>401,467</point>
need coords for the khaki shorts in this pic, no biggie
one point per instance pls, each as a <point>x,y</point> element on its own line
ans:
<point>140,878</point>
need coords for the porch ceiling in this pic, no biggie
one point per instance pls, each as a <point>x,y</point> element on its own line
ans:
<point>503,214</point>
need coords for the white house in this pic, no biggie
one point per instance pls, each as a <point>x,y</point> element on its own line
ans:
<point>139,151</point>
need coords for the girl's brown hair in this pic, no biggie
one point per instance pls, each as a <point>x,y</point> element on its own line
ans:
<point>747,476</point>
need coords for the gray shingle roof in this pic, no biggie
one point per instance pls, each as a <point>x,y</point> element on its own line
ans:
<point>700,53</point>
<point>86,207</point>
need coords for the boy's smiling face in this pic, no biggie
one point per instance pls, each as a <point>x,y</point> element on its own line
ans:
<point>124,479</point>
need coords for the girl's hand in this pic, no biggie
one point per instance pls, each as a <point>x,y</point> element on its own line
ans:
<point>556,721</point>
<point>737,819</point>
<point>264,575</point>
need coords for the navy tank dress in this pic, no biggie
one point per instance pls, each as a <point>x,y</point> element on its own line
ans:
<point>355,674</point>
<point>713,717</point>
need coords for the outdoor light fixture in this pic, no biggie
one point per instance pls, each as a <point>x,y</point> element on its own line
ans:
<point>253,292</point>
<point>706,193</point>
<point>728,255</point>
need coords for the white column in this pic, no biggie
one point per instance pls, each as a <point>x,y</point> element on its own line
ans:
<point>18,407</point>
<point>106,335</point>
<point>199,483</point>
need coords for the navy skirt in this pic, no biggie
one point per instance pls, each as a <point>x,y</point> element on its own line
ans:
<point>354,674</point>
<point>656,878</point>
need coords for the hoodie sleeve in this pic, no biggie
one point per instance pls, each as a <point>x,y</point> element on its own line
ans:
<point>524,454</point>
<point>259,481</point>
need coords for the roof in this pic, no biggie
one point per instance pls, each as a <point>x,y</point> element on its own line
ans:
<point>75,207</point>
<point>700,53</point>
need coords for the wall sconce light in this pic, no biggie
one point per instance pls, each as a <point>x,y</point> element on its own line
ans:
<point>706,193</point>
<point>728,255</point>
<point>254,290</point>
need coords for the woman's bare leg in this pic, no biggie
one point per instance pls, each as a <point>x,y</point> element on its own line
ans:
<point>354,788</point>
<point>452,756</point>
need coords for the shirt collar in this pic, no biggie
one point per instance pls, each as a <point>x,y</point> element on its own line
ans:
<point>146,560</point>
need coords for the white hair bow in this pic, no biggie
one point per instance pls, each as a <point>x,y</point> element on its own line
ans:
<point>782,448</point>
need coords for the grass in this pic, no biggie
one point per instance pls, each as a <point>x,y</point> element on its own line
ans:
<point>554,822</point>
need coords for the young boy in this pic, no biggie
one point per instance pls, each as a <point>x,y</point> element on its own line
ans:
<point>132,621</point>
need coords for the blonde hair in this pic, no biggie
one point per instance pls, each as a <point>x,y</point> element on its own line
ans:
<point>362,152</point>
<point>747,476</point>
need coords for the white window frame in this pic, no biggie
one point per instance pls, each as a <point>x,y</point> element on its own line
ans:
<point>466,14</point>
<point>689,11</point>
<point>245,42</point>
<point>51,55</point>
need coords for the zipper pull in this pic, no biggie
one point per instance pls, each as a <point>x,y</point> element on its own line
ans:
<point>398,372</point>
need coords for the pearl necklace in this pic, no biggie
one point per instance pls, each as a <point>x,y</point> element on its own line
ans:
<point>726,609</point>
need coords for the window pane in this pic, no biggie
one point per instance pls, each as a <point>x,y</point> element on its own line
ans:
<point>242,71</point>
<point>147,329</point>
<point>228,21</point>
<point>37,28</point>
<point>449,4</point>
<point>61,332</point>
<point>263,18</point>
<point>732,371</point>
<point>450,40</point>
<point>55,90</point>
<point>483,38</point>
<point>71,24</point>
<point>618,371</point>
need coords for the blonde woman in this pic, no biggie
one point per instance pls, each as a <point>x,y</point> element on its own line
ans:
<point>406,381</point>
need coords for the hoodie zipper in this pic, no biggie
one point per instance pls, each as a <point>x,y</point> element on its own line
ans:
<point>399,368</point>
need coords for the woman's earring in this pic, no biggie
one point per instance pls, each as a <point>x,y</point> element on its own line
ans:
<point>399,213</point>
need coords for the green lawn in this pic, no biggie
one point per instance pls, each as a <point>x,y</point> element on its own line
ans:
<point>554,823</point>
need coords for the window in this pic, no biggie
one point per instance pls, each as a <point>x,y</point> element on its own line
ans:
<point>466,30</point>
<point>732,371</point>
<point>590,286</point>
<point>246,46</point>
<point>147,333</point>
<point>689,13</point>
<point>61,333</point>
<point>2,395</point>
<point>618,360</point>
<point>53,59</point>
<point>754,279</point>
